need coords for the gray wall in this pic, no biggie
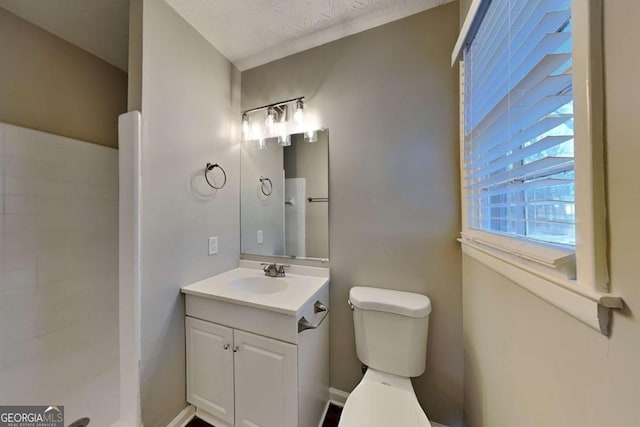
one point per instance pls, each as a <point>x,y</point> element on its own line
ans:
<point>529,364</point>
<point>50,85</point>
<point>389,99</point>
<point>189,103</point>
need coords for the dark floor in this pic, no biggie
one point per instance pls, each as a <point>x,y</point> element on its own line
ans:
<point>331,420</point>
<point>333,416</point>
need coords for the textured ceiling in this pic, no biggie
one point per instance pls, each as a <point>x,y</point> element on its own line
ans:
<point>97,26</point>
<point>254,32</point>
<point>248,32</point>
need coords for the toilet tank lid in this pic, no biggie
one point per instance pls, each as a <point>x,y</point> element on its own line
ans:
<point>391,301</point>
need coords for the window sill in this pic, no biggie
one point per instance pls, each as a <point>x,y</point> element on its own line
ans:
<point>579,301</point>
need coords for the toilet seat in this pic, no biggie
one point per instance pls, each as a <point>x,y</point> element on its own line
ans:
<point>383,400</point>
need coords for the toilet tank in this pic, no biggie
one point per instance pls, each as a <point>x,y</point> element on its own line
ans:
<point>391,329</point>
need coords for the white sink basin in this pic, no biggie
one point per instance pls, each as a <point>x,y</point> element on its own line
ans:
<point>258,285</point>
<point>247,285</point>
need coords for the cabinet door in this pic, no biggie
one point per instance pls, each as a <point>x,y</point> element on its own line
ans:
<point>266,373</point>
<point>210,367</point>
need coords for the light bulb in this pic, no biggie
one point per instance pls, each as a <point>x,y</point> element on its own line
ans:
<point>246,128</point>
<point>262,143</point>
<point>256,132</point>
<point>284,140</point>
<point>311,136</point>
<point>270,122</point>
<point>298,116</point>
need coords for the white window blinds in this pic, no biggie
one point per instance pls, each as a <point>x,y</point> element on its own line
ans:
<point>518,122</point>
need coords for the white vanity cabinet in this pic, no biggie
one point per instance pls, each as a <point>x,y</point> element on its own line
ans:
<point>210,368</point>
<point>258,365</point>
<point>266,381</point>
<point>232,372</point>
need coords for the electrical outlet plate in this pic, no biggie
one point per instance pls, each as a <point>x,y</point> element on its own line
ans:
<point>260,237</point>
<point>213,245</point>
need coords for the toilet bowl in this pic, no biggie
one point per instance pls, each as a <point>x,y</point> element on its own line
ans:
<point>391,330</point>
<point>383,400</point>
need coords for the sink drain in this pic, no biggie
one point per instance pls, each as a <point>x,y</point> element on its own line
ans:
<point>82,422</point>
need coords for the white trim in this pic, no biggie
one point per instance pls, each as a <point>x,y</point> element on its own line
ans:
<point>556,259</point>
<point>579,301</point>
<point>129,141</point>
<point>591,241</point>
<point>337,397</point>
<point>463,171</point>
<point>464,31</point>
<point>183,417</point>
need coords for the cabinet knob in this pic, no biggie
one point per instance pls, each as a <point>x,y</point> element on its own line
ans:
<point>235,349</point>
<point>226,346</point>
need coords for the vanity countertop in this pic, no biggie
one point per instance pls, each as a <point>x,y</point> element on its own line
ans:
<point>245,286</point>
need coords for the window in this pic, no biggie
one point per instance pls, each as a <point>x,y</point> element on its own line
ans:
<point>518,124</point>
<point>531,148</point>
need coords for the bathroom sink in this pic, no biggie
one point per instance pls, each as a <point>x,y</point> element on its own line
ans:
<point>258,285</point>
<point>247,285</point>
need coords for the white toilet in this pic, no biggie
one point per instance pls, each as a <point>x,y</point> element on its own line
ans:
<point>391,339</point>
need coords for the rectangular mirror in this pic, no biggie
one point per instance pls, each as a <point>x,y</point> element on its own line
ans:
<point>284,191</point>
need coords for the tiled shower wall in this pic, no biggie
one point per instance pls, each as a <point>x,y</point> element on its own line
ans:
<point>59,274</point>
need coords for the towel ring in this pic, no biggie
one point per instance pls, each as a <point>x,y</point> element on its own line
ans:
<point>209,168</point>
<point>263,180</point>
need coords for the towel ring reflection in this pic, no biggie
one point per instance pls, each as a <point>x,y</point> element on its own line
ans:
<point>209,168</point>
<point>263,180</point>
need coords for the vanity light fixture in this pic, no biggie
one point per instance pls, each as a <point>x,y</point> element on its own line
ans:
<point>276,124</point>
<point>246,128</point>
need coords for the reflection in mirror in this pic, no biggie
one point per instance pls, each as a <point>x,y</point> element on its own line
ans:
<point>284,207</point>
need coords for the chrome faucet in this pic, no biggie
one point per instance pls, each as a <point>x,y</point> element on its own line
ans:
<point>272,270</point>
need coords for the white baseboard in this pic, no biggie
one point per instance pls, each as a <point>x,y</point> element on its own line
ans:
<point>183,418</point>
<point>337,397</point>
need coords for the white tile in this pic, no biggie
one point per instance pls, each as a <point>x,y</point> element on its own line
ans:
<point>30,144</point>
<point>18,204</point>
<point>51,222</point>
<point>90,191</point>
<point>52,240</point>
<point>52,266</point>
<point>19,222</point>
<point>22,381</point>
<point>19,331</point>
<point>58,273</point>
<point>49,205</point>
<point>27,186</point>
<point>22,241</point>
<point>17,278</point>
<point>17,261</point>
